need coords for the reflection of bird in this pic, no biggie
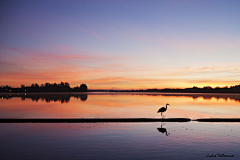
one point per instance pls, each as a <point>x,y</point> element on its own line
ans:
<point>163,130</point>
<point>163,109</point>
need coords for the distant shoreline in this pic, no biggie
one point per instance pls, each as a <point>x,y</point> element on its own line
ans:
<point>118,91</point>
<point>65,87</point>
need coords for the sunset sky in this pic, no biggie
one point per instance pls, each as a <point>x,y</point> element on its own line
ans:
<point>120,44</point>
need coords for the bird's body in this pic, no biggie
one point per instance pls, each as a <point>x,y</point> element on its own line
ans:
<point>163,109</point>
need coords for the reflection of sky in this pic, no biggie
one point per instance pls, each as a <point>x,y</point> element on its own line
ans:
<point>121,106</point>
<point>118,141</point>
<point>120,44</point>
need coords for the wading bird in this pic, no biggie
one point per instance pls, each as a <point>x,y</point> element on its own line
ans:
<point>163,109</point>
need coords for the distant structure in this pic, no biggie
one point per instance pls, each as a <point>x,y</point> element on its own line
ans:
<point>163,109</point>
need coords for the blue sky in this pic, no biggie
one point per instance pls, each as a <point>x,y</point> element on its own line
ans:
<point>120,44</point>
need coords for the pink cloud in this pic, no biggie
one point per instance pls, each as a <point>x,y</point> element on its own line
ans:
<point>92,33</point>
<point>54,55</point>
<point>70,74</point>
<point>15,50</point>
<point>83,56</point>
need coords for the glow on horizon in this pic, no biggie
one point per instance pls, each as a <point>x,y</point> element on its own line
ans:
<point>120,44</point>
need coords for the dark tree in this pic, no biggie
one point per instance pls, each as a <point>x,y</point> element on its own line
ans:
<point>47,84</point>
<point>36,85</point>
<point>66,84</point>
<point>83,88</point>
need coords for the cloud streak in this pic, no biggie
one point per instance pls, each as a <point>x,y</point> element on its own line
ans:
<point>90,32</point>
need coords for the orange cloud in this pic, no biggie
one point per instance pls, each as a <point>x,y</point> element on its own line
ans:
<point>99,71</point>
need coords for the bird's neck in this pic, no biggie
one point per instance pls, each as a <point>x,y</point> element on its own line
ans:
<point>166,106</point>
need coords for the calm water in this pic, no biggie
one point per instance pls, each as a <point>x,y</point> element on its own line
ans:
<point>169,140</point>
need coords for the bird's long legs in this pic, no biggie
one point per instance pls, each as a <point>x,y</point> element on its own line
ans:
<point>162,115</point>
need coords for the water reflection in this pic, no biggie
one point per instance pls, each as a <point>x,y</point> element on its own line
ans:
<point>194,96</point>
<point>163,130</point>
<point>205,96</point>
<point>118,141</point>
<point>63,98</point>
<point>118,105</point>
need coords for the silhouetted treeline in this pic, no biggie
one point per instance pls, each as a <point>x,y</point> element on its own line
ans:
<point>206,89</point>
<point>46,97</point>
<point>47,87</point>
<point>64,87</point>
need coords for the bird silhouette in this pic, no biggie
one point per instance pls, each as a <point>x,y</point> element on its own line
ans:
<point>163,130</point>
<point>163,109</point>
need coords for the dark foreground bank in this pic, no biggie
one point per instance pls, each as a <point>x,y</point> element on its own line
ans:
<point>218,120</point>
<point>114,120</point>
<point>93,120</point>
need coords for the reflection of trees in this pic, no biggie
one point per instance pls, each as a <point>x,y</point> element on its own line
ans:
<point>63,98</point>
<point>83,97</point>
<point>207,96</point>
